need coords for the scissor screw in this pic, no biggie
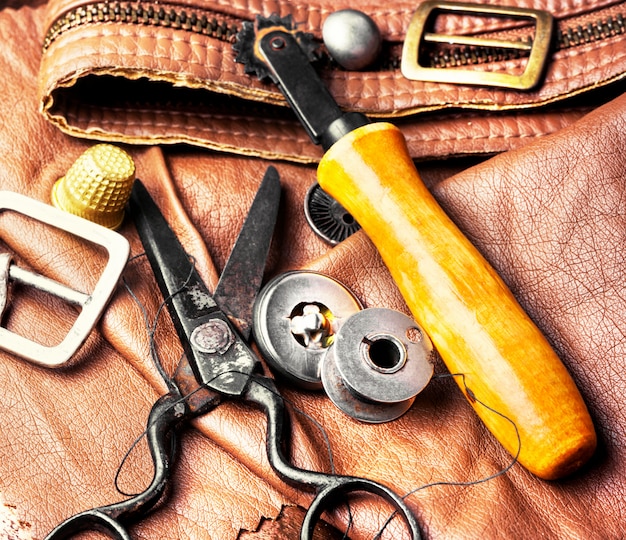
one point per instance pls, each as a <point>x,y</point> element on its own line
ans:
<point>180,410</point>
<point>213,337</point>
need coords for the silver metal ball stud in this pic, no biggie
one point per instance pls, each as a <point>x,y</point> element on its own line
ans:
<point>352,38</point>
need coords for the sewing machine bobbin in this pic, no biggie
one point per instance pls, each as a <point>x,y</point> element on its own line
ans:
<point>296,318</point>
<point>379,362</point>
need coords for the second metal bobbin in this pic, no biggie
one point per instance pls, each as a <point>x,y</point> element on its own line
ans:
<point>380,360</point>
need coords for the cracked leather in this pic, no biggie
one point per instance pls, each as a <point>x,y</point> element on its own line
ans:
<point>549,216</point>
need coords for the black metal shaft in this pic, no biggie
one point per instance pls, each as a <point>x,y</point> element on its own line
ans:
<point>305,92</point>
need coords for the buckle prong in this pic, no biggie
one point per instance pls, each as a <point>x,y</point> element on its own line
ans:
<point>470,41</point>
<point>48,285</point>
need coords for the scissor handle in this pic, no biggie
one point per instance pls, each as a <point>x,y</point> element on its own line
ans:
<point>96,519</point>
<point>264,393</point>
<point>338,486</point>
<point>166,413</point>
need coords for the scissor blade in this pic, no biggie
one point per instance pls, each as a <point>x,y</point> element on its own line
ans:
<point>217,356</point>
<point>173,269</point>
<point>243,274</point>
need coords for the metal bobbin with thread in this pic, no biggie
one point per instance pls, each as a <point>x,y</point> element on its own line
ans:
<point>314,332</point>
<point>380,361</point>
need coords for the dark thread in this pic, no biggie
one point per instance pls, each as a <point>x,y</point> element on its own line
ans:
<point>259,381</point>
<point>181,399</point>
<point>118,472</point>
<point>151,330</point>
<point>472,397</point>
<point>470,393</point>
<point>152,327</point>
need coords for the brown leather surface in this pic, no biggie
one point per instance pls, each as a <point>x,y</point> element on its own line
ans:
<point>550,218</point>
<point>145,83</point>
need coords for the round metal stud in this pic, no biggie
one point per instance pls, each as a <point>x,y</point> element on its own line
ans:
<point>296,318</point>
<point>352,38</point>
<point>327,217</point>
<point>379,362</point>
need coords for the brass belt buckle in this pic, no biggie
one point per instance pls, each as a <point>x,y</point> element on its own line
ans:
<point>418,36</point>
<point>92,304</point>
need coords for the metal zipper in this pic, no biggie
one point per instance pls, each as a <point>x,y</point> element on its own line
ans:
<point>207,23</point>
<point>223,28</point>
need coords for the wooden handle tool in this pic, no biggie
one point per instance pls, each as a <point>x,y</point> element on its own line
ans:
<point>477,326</point>
<point>501,361</point>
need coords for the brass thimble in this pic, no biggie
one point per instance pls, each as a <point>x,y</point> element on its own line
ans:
<point>97,186</point>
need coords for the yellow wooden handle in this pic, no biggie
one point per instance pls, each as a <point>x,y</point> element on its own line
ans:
<point>473,319</point>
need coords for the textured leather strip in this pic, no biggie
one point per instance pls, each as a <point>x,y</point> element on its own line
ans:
<point>150,83</point>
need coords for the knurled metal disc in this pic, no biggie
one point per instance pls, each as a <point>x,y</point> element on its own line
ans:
<point>327,217</point>
<point>246,43</point>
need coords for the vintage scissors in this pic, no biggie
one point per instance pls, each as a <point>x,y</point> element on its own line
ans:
<point>218,364</point>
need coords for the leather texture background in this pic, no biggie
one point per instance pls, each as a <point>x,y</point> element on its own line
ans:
<point>549,216</point>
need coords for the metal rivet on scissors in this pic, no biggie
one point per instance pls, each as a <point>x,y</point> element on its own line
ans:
<point>218,364</point>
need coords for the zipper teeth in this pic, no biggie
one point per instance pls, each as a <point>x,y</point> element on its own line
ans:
<point>205,23</point>
<point>565,38</point>
<point>219,27</point>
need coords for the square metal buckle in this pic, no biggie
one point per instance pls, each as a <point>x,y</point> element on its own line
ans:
<point>418,36</point>
<point>92,304</point>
